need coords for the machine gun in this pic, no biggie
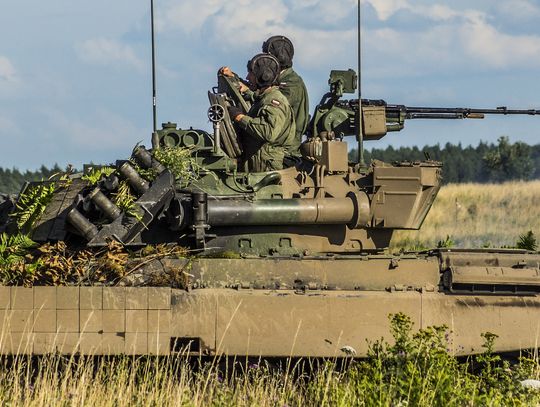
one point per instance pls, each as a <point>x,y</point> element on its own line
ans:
<point>339,117</point>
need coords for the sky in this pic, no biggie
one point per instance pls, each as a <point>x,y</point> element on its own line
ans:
<point>75,76</point>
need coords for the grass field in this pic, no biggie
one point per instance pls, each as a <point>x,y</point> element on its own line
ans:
<point>476,215</point>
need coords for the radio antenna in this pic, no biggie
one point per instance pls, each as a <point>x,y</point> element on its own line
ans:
<point>360,135</point>
<point>155,143</point>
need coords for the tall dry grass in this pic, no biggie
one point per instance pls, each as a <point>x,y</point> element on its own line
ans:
<point>477,215</point>
<point>140,381</point>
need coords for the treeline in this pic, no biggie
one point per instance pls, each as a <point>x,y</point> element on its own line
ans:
<point>11,180</point>
<point>487,162</point>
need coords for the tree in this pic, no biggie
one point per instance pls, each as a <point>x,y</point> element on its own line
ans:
<point>509,161</point>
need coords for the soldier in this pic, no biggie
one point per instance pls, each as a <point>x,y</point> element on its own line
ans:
<point>269,127</point>
<point>290,83</point>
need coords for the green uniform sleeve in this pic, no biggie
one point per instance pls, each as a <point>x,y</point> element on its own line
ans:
<point>267,126</point>
<point>249,95</point>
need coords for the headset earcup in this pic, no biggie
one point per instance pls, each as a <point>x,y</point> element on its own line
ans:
<point>265,68</point>
<point>266,75</point>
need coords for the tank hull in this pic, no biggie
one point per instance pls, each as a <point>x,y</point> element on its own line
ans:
<point>266,323</point>
<point>266,307</point>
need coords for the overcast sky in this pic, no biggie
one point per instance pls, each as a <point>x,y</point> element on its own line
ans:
<point>75,79</point>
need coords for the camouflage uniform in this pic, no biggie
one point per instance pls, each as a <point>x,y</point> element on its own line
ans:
<point>294,89</point>
<point>269,131</point>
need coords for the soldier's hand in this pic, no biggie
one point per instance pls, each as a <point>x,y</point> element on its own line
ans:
<point>226,71</point>
<point>235,112</point>
<point>243,88</point>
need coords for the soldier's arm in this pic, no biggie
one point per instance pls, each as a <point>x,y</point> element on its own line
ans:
<point>248,95</point>
<point>266,126</point>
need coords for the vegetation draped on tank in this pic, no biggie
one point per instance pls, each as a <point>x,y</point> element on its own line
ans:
<point>97,174</point>
<point>24,263</point>
<point>32,203</point>
<point>124,198</point>
<point>180,162</point>
<point>13,248</point>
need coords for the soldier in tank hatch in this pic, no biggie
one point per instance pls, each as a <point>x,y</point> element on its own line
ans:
<point>269,127</point>
<point>290,83</point>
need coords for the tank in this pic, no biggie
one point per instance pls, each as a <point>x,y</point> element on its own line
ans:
<point>285,263</point>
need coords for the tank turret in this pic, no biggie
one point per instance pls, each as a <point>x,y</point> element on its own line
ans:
<point>324,204</point>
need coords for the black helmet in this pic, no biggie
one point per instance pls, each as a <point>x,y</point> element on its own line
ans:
<point>280,47</point>
<point>265,68</point>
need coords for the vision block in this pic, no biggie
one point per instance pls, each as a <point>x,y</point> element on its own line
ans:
<point>17,343</point>
<point>67,343</point>
<point>44,343</point>
<point>20,320</point>
<point>112,344</point>
<point>90,343</point>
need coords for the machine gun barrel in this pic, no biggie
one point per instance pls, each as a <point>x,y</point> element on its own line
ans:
<point>395,112</point>
<point>458,113</point>
<point>396,115</point>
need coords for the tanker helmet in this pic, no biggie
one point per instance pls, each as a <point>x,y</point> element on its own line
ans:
<point>265,69</point>
<point>280,47</point>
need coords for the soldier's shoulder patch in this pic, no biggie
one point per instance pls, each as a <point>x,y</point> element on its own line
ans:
<point>276,102</point>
